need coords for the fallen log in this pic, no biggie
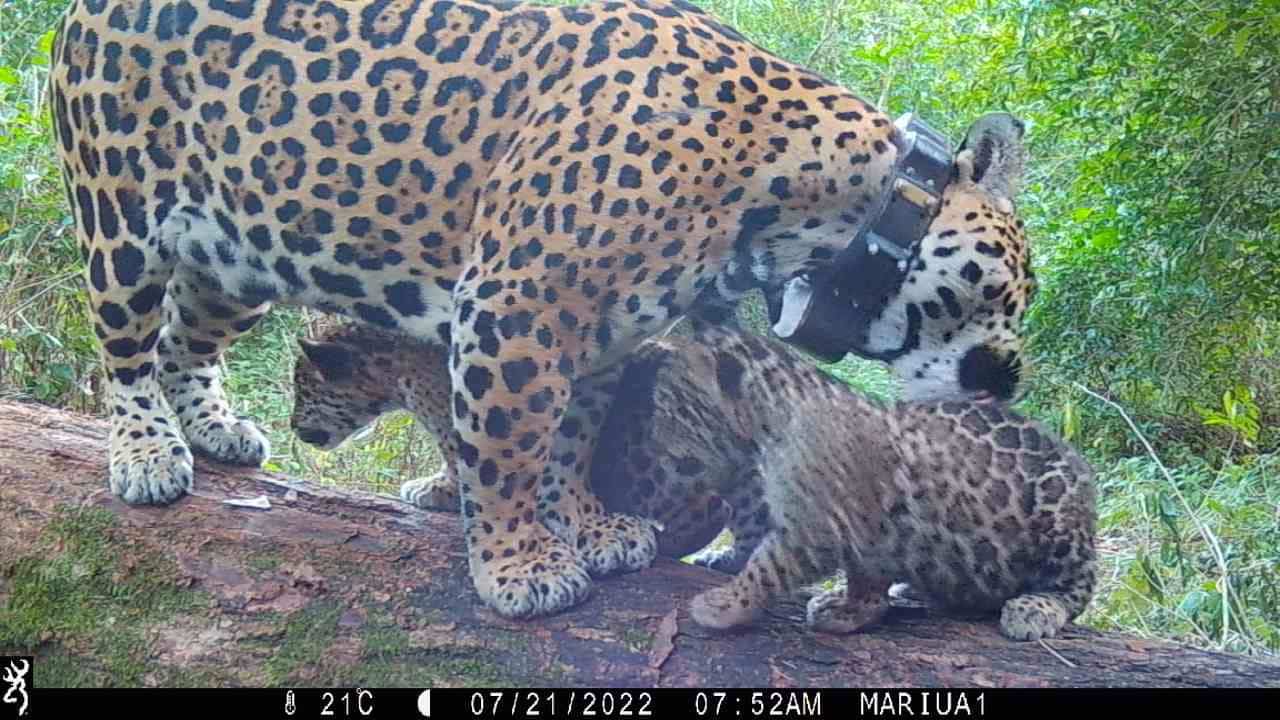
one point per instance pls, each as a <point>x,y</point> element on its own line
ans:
<point>337,588</point>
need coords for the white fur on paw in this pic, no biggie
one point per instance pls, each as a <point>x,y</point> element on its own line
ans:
<point>903,591</point>
<point>524,598</point>
<point>1031,618</point>
<point>152,475</point>
<point>438,492</point>
<point>230,440</point>
<point>723,560</point>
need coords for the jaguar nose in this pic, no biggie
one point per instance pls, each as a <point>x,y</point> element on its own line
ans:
<point>313,436</point>
<point>983,372</point>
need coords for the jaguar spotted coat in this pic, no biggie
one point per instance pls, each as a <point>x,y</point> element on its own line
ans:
<point>538,189</point>
<point>979,508</point>
<point>975,507</point>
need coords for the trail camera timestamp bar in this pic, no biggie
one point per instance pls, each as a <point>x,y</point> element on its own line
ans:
<point>604,703</point>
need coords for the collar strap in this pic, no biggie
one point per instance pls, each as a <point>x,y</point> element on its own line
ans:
<point>830,312</point>
<point>920,174</point>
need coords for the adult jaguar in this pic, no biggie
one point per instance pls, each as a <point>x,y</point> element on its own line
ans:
<point>537,188</point>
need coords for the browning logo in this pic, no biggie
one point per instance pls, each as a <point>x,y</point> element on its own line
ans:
<point>16,672</point>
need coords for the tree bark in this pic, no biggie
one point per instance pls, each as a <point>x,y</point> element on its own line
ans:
<point>338,588</point>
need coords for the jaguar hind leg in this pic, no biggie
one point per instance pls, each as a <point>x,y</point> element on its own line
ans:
<point>776,567</point>
<point>1066,580</point>
<point>1041,614</point>
<point>748,523</point>
<point>1034,616</point>
<point>201,323</point>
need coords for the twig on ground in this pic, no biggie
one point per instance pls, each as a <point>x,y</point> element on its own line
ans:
<point>1056,654</point>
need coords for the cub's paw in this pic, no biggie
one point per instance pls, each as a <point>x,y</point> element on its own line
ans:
<point>905,591</point>
<point>544,576</point>
<point>151,471</point>
<point>1031,617</point>
<point>438,492</point>
<point>229,440</point>
<point>834,612</point>
<point>725,560</point>
<point>722,608</point>
<point>610,542</point>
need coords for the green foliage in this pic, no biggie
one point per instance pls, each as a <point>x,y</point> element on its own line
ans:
<point>1205,570</point>
<point>1152,201</point>
<point>1239,413</point>
<point>46,342</point>
<point>1162,263</point>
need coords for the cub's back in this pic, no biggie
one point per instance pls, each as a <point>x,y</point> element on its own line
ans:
<point>968,501</point>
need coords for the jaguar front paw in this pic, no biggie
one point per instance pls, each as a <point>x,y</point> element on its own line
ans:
<point>535,575</point>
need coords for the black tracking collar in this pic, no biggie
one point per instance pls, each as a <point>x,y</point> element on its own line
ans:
<point>829,313</point>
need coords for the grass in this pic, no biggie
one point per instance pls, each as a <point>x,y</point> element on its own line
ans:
<point>307,636</point>
<point>75,592</point>
<point>93,610</point>
<point>1190,541</point>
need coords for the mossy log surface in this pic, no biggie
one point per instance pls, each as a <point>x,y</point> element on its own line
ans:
<point>338,588</point>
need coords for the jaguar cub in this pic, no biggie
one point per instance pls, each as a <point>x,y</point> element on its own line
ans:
<point>971,504</point>
<point>976,508</point>
<point>353,373</point>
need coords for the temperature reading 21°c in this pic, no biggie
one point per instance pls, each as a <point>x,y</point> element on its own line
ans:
<point>348,704</point>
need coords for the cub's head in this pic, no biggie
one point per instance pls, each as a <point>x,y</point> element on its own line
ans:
<point>955,327</point>
<point>336,390</point>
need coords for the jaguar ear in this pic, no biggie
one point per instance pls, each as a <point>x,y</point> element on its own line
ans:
<point>334,361</point>
<point>992,155</point>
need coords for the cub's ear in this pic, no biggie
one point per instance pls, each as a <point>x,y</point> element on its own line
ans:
<point>992,155</point>
<point>334,361</point>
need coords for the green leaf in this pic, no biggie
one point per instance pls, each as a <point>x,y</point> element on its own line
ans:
<point>44,48</point>
<point>1105,239</point>
<point>63,371</point>
<point>9,76</point>
<point>1192,602</point>
<point>1070,421</point>
<point>1240,43</point>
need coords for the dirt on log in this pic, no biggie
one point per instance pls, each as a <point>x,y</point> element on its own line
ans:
<point>335,588</point>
